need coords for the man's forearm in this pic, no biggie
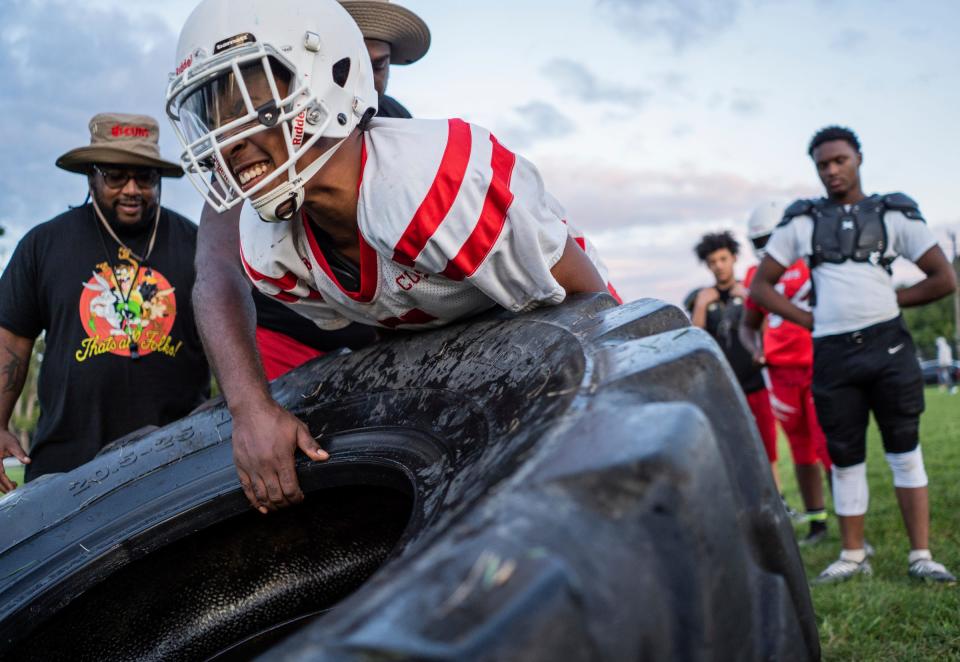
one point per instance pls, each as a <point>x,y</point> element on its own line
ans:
<point>749,332</point>
<point>226,320</point>
<point>940,280</point>
<point>699,316</point>
<point>926,291</point>
<point>224,310</point>
<point>14,362</point>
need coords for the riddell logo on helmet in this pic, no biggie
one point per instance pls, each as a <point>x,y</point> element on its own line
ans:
<point>129,131</point>
<point>184,65</point>
<point>298,123</point>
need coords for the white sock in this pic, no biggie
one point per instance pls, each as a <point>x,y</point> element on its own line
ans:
<point>855,555</point>
<point>918,554</point>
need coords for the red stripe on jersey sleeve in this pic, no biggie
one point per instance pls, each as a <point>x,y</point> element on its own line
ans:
<point>414,316</point>
<point>439,199</point>
<point>582,243</point>
<point>499,198</point>
<point>287,282</point>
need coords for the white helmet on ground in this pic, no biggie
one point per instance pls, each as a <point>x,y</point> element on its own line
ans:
<point>235,60</point>
<point>762,222</point>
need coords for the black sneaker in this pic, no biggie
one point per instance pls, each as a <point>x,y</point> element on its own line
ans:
<point>815,536</point>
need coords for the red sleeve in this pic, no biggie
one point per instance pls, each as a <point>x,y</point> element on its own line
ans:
<point>749,303</point>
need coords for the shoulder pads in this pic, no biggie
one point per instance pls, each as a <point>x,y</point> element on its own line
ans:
<point>801,207</point>
<point>904,204</point>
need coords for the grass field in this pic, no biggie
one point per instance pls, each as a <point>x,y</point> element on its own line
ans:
<point>16,474</point>
<point>889,616</point>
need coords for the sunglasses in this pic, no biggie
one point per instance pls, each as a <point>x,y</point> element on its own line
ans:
<point>117,178</point>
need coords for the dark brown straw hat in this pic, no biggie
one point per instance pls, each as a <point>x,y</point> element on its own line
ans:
<point>407,34</point>
<point>120,139</point>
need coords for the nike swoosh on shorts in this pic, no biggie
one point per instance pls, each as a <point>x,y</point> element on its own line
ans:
<point>894,349</point>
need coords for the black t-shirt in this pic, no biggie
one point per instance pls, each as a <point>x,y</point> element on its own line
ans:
<point>69,278</point>
<point>390,107</point>
<point>723,322</point>
<point>273,315</point>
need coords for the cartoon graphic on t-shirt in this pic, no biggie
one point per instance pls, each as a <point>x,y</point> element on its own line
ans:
<point>127,309</point>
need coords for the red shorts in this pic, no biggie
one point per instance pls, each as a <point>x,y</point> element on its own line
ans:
<point>759,402</point>
<point>792,400</point>
<point>280,353</point>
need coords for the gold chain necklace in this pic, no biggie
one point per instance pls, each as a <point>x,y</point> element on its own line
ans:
<point>105,224</point>
<point>126,253</point>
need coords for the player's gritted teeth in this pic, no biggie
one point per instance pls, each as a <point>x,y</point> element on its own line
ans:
<point>248,176</point>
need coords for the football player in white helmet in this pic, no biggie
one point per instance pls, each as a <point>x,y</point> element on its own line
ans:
<point>232,87</point>
<point>786,350</point>
<point>761,223</point>
<point>392,223</point>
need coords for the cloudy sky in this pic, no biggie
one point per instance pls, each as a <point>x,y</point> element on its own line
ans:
<point>653,121</point>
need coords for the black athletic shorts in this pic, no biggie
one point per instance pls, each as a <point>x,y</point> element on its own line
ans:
<point>874,369</point>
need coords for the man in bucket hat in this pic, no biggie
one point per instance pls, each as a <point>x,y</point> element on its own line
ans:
<point>109,283</point>
<point>393,35</point>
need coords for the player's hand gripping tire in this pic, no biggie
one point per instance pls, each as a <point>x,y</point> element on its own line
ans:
<point>579,483</point>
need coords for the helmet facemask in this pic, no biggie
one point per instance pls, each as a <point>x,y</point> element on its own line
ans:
<point>229,99</point>
<point>295,67</point>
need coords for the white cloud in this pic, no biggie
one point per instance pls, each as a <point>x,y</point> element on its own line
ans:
<point>646,222</point>
<point>608,197</point>
<point>849,40</point>
<point>533,122</point>
<point>60,64</point>
<point>681,22</point>
<point>576,80</point>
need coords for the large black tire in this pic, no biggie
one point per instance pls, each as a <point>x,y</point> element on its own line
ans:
<point>579,483</point>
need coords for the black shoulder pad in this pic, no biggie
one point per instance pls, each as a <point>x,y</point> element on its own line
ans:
<point>904,204</point>
<point>689,299</point>
<point>801,207</point>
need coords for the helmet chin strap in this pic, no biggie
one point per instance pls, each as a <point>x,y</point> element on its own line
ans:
<point>283,203</point>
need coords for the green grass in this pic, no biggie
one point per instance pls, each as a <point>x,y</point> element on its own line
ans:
<point>16,474</point>
<point>889,616</point>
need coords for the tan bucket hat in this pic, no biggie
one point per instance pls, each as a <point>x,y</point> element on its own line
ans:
<point>120,139</point>
<point>407,34</point>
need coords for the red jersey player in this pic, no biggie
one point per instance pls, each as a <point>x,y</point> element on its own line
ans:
<point>787,352</point>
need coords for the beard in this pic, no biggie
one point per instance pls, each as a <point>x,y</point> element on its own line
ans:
<point>109,210</point>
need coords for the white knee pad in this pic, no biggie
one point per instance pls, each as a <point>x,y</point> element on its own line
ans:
<point>850,492</point>
<point>908,468</point>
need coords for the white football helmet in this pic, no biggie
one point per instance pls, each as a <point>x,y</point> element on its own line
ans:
<point>761,224</point>
<point>246,66</point>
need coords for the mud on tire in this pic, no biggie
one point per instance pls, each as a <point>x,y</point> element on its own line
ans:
<point>582,482</point>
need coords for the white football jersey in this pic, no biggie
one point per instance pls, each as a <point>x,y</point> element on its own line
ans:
<point>451,223</point>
